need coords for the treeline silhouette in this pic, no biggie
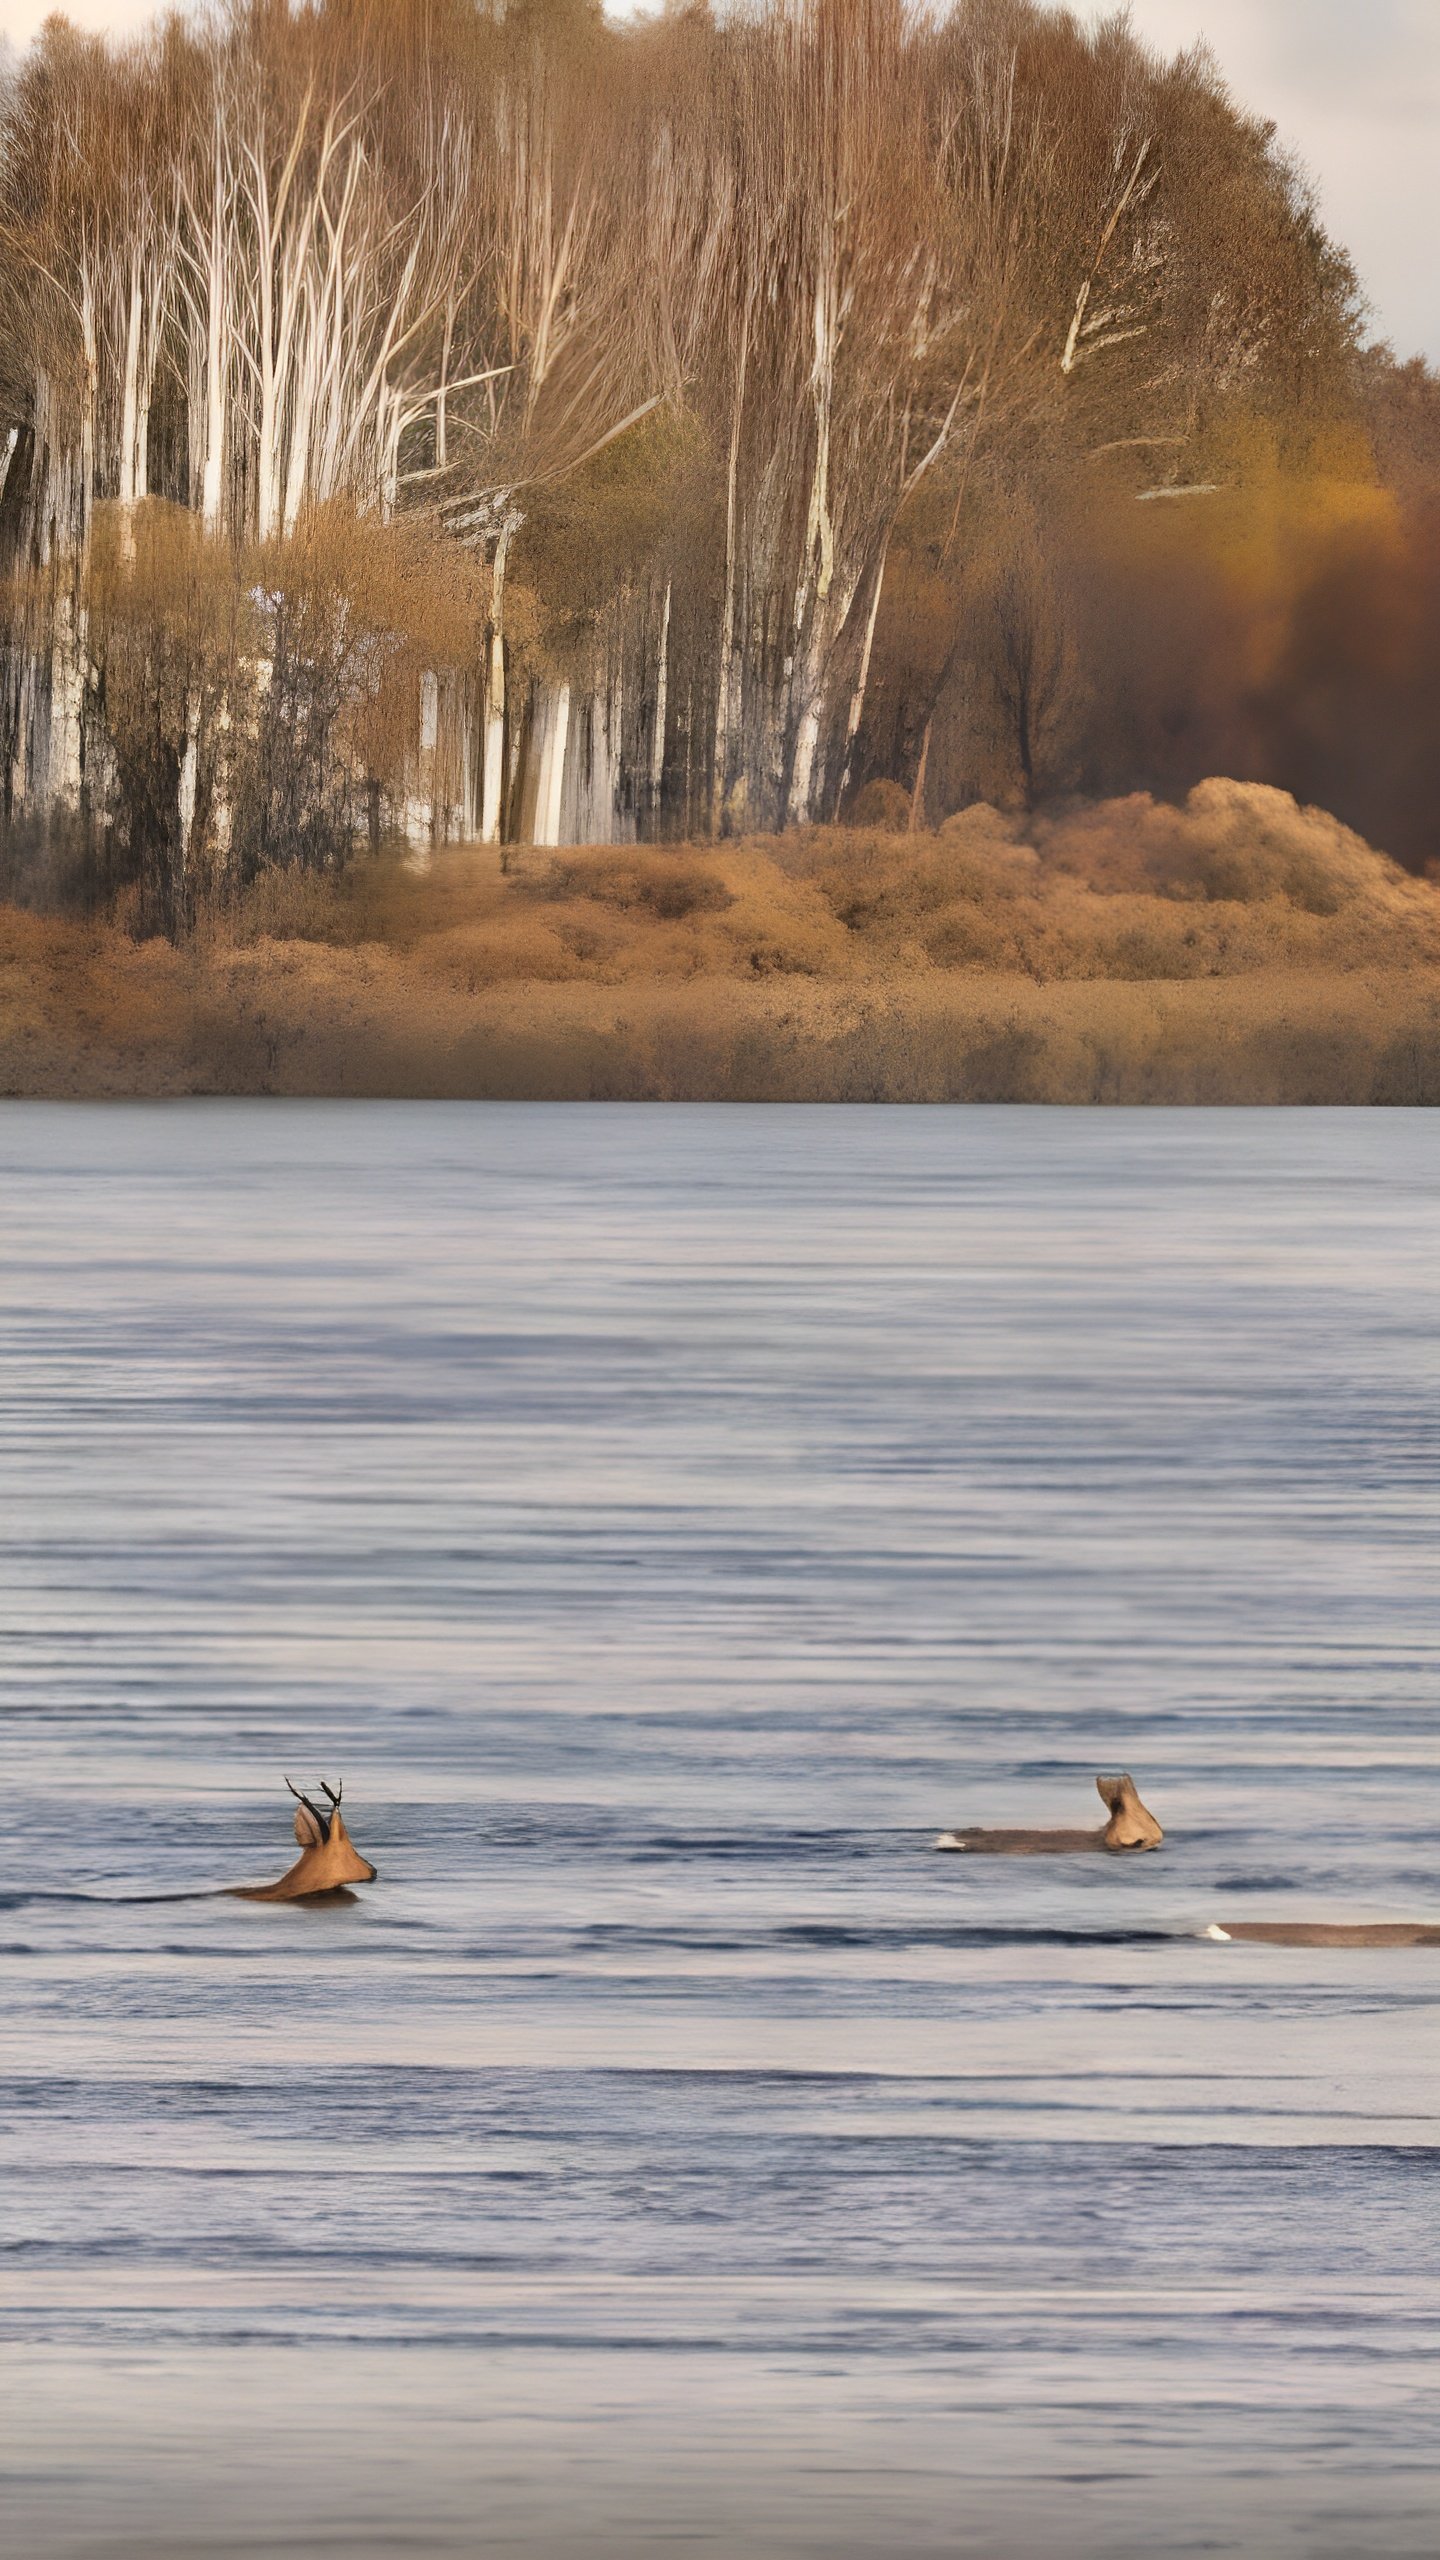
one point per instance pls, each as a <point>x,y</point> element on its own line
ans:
<point>437,423</point>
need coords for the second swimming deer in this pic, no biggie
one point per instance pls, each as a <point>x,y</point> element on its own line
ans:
<point>1131,1826</point>
<point>328,1860</point>
<point>1326,1933</point>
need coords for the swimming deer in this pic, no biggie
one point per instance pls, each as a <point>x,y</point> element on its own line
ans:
<point>327,1862</point>
<point>1129,1827</point>
<point>1327,1933</point>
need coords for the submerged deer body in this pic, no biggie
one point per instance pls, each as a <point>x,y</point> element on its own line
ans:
<point>1130,1827</point>
<point>1327,1933</point>
<point>328,1860</point>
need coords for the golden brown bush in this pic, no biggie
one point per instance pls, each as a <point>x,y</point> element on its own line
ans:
<point>963,937</point>
<point>1241,841</point>
<point>635,878</point>
<point>92,1014</point>
<point>1127,890</point>
<point>775,925</point>
<point>525,947</point>
<point>990,849</point>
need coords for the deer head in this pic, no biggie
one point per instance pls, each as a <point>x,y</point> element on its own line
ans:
<point>1129,1826</point>
<point>328,1858</point>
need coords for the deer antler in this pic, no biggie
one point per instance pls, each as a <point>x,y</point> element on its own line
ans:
<point>313,1810</point>
<point>334,1793</point>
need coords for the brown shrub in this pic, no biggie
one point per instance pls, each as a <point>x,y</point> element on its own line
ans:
<point>472,956</point>
<point>390,899</point>
<point>883,806</point>
<point>1129,890</point>
<point>888,888</point>
<point>1236,841</point>
<point>92,1012</point>
<point>775,925</point>
<point>671,886</point>
<point>964,937</point>
<point>1050,959</point>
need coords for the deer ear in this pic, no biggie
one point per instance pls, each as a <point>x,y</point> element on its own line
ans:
<point>1112,1791</point>
<point>307,1829</point>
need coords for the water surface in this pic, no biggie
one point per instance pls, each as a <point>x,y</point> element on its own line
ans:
<point>664,1520</point>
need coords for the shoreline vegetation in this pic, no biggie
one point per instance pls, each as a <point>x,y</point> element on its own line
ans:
<point>706,557</point>
<point>454,426</point>
<point>1235,949</point>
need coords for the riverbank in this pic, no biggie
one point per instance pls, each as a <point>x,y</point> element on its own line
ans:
<point>1239,951</point>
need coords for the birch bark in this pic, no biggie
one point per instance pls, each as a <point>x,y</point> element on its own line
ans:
<point>554,739</point>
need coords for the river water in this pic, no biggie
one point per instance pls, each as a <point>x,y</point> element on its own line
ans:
<point>663,1520</point>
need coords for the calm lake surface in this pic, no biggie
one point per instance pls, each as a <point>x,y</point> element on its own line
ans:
<point>663,1520</point>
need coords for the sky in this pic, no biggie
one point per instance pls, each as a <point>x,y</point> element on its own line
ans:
<point>1354,86</point>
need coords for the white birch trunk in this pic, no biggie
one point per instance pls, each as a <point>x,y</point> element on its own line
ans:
<point>212,476</point>
<point>554,738</point>
<point>221,808</point>
<point>614,752</point>
<point>807,695</point>
<point>725,687</point>
<point>856,710</point>
<point>189,776</point>
<point>442,415</point>
<point>266,510</point>
<point>19,776</point>
<point>67,687</point>
<point>492,773</point>
<point>88,404</point>
<point>216,289</point>
<point>417,817</point>
<point>492,784</point>
<point>582,786</point>
<point>129,412</point>
<point>142,437</point>
<point>303,397</point>
<point>467,790</point>
<point>657,735</point>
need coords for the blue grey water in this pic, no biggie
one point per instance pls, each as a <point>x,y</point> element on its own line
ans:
<point>663,1521</point>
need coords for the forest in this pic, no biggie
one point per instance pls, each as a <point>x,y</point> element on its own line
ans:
<point>434,425</point>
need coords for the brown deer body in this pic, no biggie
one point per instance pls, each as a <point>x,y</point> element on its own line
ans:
<point>328,1860</point>
<point>1130,1827</point>
<point>1327,1933</point>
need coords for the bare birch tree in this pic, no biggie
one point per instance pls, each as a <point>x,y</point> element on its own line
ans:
<point>702,340</point>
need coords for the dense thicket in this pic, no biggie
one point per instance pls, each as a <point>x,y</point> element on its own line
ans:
<point>509,425</point>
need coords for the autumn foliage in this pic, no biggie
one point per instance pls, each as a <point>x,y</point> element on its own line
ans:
<point>463,424</point>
